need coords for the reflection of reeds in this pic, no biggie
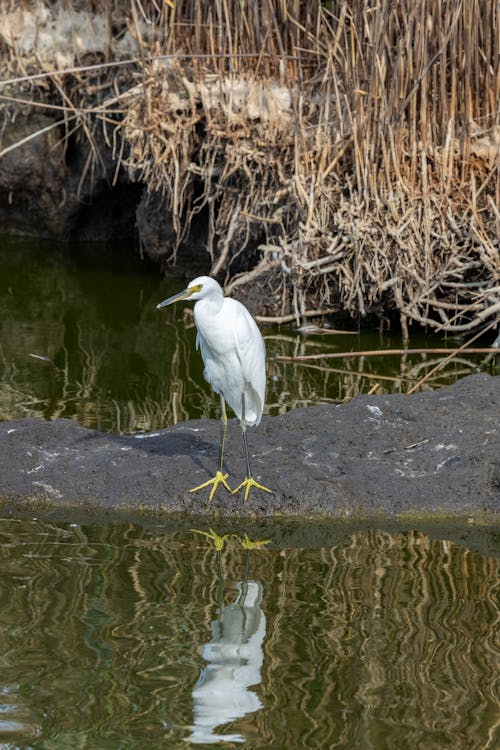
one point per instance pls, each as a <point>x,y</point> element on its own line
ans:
<point>146,374</point>
<point>307,378</point>
<point>379,633</point>
<point>90,381</point>
<point>397,650</point>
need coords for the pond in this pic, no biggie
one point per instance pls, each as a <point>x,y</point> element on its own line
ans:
<point>120,635</point>
<point>80,338</point>
<point>139,634</point>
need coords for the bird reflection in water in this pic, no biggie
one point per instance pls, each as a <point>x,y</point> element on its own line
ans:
<point>233,656</point>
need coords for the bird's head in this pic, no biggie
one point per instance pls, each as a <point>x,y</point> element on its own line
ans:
<point>199,288</point>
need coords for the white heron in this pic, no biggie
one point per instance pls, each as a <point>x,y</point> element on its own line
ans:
<point>234,356</point>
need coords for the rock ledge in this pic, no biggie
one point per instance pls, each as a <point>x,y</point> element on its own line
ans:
<point>433,454</point>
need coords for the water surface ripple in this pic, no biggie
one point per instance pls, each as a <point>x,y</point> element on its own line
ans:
<point>118,636</point>
<point>80,337</point>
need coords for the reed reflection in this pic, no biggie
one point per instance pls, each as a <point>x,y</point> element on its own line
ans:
<point>114,635</point>
<point>80,340</point>
<point>234,657</point>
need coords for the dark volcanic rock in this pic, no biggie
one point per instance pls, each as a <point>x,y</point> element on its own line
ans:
<point>433,453</point>
<point>158,237</point>
<point>32,177</point>
<point>68,189</point>
<point>52,188</point>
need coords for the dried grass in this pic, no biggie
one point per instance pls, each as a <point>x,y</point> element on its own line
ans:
<point>356,146</point>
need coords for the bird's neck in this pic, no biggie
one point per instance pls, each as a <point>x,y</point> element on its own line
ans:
<point>210,305</point>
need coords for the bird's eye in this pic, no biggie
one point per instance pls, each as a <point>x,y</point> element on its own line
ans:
<point>195,289</point>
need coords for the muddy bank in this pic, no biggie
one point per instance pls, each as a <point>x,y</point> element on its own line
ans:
<point>431,454</point>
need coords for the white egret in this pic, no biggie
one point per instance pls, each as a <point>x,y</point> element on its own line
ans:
<point>234,356</point>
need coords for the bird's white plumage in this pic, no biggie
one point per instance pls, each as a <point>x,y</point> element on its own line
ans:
<point>232,348</point>
<point>234,354</point>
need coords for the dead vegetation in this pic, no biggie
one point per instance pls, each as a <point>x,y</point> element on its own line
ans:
<point>347,154</point>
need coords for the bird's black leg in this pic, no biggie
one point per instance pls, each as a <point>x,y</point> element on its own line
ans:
<point>220,477</point>
<point>244,431</point>
<point>224,430</point>
<point>249,481</point>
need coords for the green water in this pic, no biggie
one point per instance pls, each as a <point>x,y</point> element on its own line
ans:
<point>80,338</point>
<point>118,635</point>
<point>121,636</point>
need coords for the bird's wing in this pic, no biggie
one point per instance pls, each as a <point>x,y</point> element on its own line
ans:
<point>252,355</point>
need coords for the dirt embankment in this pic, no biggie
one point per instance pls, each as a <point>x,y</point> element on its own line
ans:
<point>433,454</point>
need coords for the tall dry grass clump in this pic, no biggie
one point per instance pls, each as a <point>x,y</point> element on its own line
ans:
<point>356,144</point>
<point>347,153</point>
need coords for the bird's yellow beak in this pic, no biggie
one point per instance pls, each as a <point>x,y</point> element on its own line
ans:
<point>176,297</point>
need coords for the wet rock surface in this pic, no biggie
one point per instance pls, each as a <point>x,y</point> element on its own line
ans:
<point>435,453</point>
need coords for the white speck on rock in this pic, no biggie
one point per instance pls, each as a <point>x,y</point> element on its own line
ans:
<point>34,469</point>
<point>410,473</point>
<point>374,410</point>
<point>48,488</point>
<point>50,455</point>
<point>449,460</point>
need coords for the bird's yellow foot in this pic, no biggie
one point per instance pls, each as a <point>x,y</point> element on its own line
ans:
<point>217,539</point>
<point>245,540</point>
<point>219,478</point>
<point>249,482</point>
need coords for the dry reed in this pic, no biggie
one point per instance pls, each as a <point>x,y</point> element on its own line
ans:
<point>347,153</point>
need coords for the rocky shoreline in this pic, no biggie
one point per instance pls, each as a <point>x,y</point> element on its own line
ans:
<point>432,455</point>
